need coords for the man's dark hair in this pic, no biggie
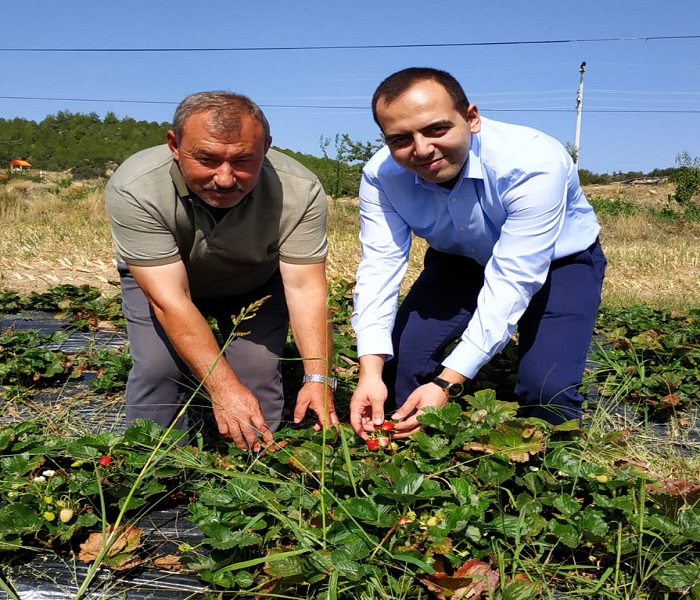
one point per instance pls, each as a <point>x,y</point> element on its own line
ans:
<point>400,82</point>
<point>227,110</point>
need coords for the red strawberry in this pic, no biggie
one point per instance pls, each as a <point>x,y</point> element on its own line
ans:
<point>372,444</point>
<point>104,461</point>
<point>387,426</point>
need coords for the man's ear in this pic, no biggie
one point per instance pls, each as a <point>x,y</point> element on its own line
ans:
<point>268,143</point>
<point>473,118</point>
<point>171,140</point>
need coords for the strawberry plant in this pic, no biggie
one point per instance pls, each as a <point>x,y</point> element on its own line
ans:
<point>84,303</point>
<point>26,362</point>
<point>344,348</point>
<point>649,358</point>
<point>52,488</point>
<point>476,483</point>
<point>111,367</point>
<point>523,501</point>
<point>27,365</point>
<point>477,504</point>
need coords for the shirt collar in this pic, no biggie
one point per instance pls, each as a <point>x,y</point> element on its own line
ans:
<point>179,182</point>
<point>472,170</point>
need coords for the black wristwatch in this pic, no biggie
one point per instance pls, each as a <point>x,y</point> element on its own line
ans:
<point>452,390</point>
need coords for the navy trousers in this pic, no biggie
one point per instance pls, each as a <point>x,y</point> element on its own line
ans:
<point>554,333</point>
<point>159,382</point>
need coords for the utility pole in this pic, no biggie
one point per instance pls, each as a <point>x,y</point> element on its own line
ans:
<point>579,105</point>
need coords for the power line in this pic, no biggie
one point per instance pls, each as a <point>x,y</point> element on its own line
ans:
<point>365,47</point>
<point>594,110</point>
<point>87,100</point>
<point>363,108</point>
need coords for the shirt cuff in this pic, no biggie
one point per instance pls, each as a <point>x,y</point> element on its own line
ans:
<point>466,359</point>
<point>375,340</point>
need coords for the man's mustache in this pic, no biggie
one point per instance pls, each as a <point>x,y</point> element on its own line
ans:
<point>212,187</point>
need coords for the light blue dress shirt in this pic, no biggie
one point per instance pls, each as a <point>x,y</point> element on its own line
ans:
<point>517,206</point>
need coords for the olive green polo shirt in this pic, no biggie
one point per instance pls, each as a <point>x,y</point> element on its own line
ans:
<point>156,220</point>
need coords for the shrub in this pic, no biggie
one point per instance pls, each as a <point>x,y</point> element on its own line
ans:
<point>686,179</point>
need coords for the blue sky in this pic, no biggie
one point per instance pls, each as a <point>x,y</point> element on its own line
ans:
<point>641,98</point>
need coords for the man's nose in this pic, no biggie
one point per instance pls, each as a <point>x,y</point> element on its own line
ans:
<point>422,146</point>
<point>225,175</point>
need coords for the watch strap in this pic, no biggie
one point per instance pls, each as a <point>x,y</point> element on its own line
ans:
<point>331,382</point>
<point>452,389</point>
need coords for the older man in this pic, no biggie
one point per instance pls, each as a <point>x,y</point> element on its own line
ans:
<point>512,241</point>
<point>204,226</point>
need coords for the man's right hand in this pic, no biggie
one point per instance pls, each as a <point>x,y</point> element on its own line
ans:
<point>240,419</point>
<point>367,403</point>
<point>367,406</point>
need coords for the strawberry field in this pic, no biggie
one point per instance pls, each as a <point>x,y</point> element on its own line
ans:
<point>480,504</point>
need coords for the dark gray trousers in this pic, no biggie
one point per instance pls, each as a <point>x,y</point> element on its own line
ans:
<point>160,383</point>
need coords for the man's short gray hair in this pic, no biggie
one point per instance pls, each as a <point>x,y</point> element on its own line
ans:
<point>227,109</point>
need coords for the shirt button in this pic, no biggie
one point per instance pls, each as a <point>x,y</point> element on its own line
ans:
<point>461,228</point>
<point>453,199</point>
<point>215,235</point>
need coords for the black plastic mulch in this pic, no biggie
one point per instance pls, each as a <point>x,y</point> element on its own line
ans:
<point>58,577</point>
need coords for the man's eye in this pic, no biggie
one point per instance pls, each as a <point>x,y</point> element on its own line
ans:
<point>398,142</point>
<point>439,130</point>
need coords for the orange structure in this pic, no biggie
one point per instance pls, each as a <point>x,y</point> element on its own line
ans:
<point>19,165</point>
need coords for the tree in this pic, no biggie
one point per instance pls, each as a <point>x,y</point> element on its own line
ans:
<point>81,142</point>
<point>686,178</point>
<point>332,174</point>
<point>341,175</point>
<point>352,152</point>
<point>572,150</point>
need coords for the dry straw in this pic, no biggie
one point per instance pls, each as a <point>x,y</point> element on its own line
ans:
<point>51,234</point>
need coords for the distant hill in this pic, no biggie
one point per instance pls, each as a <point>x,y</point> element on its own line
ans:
<point>91,147</point>
<point>82,143</point>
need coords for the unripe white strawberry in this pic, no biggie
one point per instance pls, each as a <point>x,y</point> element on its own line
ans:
<point>65,515</point>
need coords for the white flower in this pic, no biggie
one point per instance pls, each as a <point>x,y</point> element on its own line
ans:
<point>534,469</point>
<point>49,473</point>
<point>39,479</point>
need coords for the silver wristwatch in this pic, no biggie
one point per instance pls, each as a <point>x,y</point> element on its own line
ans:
<point>331,382</point>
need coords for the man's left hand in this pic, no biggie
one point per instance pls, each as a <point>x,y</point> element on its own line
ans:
<point>426,395</point>
<point>319,398</point>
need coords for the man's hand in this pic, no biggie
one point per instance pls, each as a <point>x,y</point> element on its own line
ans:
<point>367,403</point>
<point>319,398</point>
<point>239,419</point>
<point>367,406</point>
<point>426,395</point>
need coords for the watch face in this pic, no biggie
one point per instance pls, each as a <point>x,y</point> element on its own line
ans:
<point>454,390</point>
